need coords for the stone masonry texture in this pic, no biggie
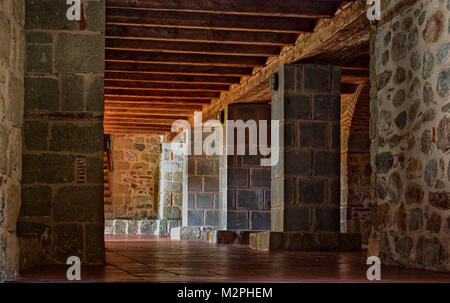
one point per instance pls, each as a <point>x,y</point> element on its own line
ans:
<point>62,188</point>
<point>305,182</point>
<point>410,137</point>
<point>12,62</point>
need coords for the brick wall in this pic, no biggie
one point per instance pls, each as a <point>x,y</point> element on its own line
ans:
<point>62,192</point>
<point>12,58</point>
<point>248,183</point>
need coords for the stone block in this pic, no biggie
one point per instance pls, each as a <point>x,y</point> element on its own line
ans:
<point>237,177</point>
<point>204,167</point>
<point>5,36</point>
<point>298,107</point>
<point>313,135</point>
<point>48,14</point>
<point>41,94</point>
<point>72,89</point>
<point>195,217</point>
<point>148,227</point>
<point>210,184</point>
<point>297,162</point>
<point>32,229</point>
<point>68,241</point>
<point>260,220</point>
<point>86,138</point>
<point>246,199</point>
<point>191,232</point>
<point>95,95</point>
<point>237,220</point>
<point>120,227</point>
<point>243,237</point>
<point>39,37</point>
<point>78,203</point>
<point>94,170</point>
<point>260,177</point>
<point>171,213</point>
<point>175,233</point>
<point>311,190</point>
<point>71,47</point>
<point>204,201</point>
<point>36,201</point>
<point>95,16</point>
<point>327,219</point>
<point>95,243</point>
<point>36,135</point>
<point>327,107</point>
<point>212,218</point>
<point>48,168</point>
<point>221,237</point>
<point>39,59</point>
<point>297,218</point>
<point>316,78</point>
<point>14,107</point>
<point>326,163</point>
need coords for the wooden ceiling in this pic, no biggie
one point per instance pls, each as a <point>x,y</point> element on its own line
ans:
<point>166,59</point>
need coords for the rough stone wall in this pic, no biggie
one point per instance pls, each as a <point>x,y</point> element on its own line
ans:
<point>134,181</point>
<point>62,192</point>
<point>12,62</point>
<point>172,169</point>
<point>248,183</point>
<point>410,132</point>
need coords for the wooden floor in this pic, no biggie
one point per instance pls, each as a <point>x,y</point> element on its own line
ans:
<point>152,259</point>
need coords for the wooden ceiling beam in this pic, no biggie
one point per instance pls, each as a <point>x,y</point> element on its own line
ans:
<point>155,111</point>
<point>162,122</point>
<point>178,69</point>
<point>164,86</point>
<point>199,35</point>
<point>160,93</point>
<point>130,131</point>
<point>192,59</point>
<point>122,76</point>
<point>192,47</point>
<point>155,101</point>
<point>165,106</point>
<point>288,8</point>
<point>121,16</point>
<point>150,117</point>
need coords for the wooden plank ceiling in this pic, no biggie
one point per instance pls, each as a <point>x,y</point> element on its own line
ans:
<point>166,59</point>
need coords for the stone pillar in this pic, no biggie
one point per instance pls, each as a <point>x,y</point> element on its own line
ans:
<point>410,132</point>
<point>62,207</point>
<point>12,58</point>
<point>306,180</point>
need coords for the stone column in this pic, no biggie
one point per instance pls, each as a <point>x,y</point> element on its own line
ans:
<point>62,207</point>
<point>306,180</point>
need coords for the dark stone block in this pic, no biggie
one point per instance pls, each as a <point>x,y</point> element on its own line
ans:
<point>212,218</point>
<point>95,16</point>
<point>247,199</point>
<point>36,135</point>
<point>289,135</point>
<point>41,94</point>
<point>95,243</point>
<point>327,219</point>
<point>237,220</point>
<point>316,78</point>
<point>72,93</point>
<point>48,14</point>
<point>260,220</point>
<point>39,37</point>
<point>336,80</point>
<point>248,160</point>
<point>335,191</point>
<point>94,169</point>
<point>191,167</point>
<point>326,163</point>
<point>298,107</point>
<point>230,199</point>
<point>205,167</point>
<point>327,107</point>
<point>204,201</point>
<point>32,229</point>
<point>384,162</point>
<point>210,184</point>
<point>48,168</point>
<point>75,138</point>
<point>195,218</point>
<point>68,241</point>
<point>237,177</point>
<point>267,198</point>
<point>260,177</point>
<point>36,201</point>
<point>191,199</point>
<point>39,59</point>
<point>297,162</point>
<point>194,184</point>
<point>79,203</point>
<point>311,190</point>
<point>288,186</point>
<point>297,218</point>
<point>95,95</point>
<point>313,135</point>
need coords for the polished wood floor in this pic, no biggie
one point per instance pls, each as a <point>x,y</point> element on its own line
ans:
<point>152,259</point>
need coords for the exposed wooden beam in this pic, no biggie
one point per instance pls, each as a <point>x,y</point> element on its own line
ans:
<point>156,111</point>
<point>348,88</point>
<point>161,93</point>
<point>118,124</point>
<point>199,35</point>
<point>124,131</point>
<point>147,117</point>
<point>178,69</point>
<point>192,59</point>
<point>157,100</point>
<point>354,76</point>
<point>192,47</point>
<point>138,106</point>
<point>289,8</point>
<point>114,118</point>
<point>121,16</point>
<point>306,47</point>
<point>164,86</point>
<point>123,76</point>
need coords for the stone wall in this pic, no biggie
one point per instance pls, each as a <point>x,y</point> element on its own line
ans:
<point>12,61</point>
<point>134,180</point>
<point>410,132</point>
<point>62,192</point>
<point>248,183</point>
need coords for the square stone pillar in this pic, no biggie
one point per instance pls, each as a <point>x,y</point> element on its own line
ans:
<point>305,182</point>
